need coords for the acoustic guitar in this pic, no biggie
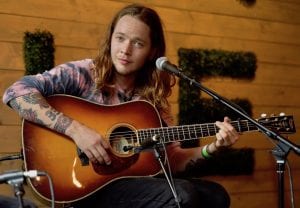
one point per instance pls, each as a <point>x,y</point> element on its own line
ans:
<point>125,126</point>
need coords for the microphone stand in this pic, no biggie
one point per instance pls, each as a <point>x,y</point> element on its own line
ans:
<point>282,148</point>
<point>153,143</point>
<point>17,184</point>
<point>172,187</point>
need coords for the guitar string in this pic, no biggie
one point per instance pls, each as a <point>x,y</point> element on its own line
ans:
<point>183,130</point>
<point>242,125</point>
<point>210,127</point>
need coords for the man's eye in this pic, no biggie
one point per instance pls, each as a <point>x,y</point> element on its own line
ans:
<point>138,44</point>
<point>119,38</point>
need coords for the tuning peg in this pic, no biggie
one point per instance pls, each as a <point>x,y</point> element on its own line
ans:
<point>282,114</point>
<point>263,115</point>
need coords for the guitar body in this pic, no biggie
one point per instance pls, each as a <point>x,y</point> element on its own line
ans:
<point>56,154</point>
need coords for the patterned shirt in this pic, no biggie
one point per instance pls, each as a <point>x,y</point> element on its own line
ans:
<point>72,78</point>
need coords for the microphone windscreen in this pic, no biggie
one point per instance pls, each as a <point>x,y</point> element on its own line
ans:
<point>160,61</point>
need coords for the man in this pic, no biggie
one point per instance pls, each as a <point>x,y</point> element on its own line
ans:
<point>123,71</point>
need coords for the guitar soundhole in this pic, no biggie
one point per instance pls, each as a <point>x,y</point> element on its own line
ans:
<point>123,140</point>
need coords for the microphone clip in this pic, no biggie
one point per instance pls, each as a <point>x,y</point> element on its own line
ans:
<point>148,143</point>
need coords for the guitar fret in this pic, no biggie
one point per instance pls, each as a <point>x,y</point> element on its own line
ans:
<point>178,132</point>
<point>201,131</point>
<point>216,130</point>
<point>145,135</point>
<point>166,134</point>
<point>248,126</point>
<point>163,134</point>
<point>189,132</point>
<point>152,133</point>
<point>210,129</point>
<point>155,133</point>
<point>169,133</point>
<point>206,130</point>
<point>172,133</point>
<point>183,133</point>
<point>193,133</point>
<point>239,126</point>
<point>140,133</point>
<point>148,134</point>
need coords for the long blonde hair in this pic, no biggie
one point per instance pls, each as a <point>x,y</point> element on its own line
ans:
<point>153,85</point>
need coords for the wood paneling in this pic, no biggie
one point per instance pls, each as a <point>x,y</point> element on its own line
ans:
<point>270,29</point>
<point>66,33</point>
<point>264,9</point>
<point>10,139</point>
<point>265,51</point>
<point>79,11</point>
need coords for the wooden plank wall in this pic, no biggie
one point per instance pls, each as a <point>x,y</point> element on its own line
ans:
<point>270,29</point>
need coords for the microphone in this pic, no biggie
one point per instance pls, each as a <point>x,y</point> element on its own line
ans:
<point>163,64</point>
<point>19,174</point>
<point>150,142</point>
<point>147,143</point>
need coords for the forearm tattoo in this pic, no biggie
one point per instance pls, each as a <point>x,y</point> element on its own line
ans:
<point>62,124</point>
<point>52,114</point>
<point>31,114</point>
<point>35,99</point>
<point>13,103</point>
<point>27,114</point>
<point>35,108</point>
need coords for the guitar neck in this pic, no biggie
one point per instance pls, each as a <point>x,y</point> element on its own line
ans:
<point>191,132</point>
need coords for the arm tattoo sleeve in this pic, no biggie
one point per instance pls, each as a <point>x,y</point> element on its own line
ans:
<point>35,99</point>
<point>13,103</point>
<point>62,124</point>
<point>35,108</point>
<point>28,114</point>
<point>52,114</point>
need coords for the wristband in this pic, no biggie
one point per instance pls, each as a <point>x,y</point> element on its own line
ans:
<point>204,152</point>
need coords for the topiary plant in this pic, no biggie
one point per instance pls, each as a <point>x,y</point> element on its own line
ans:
<point>204,63</point>
<point>39,51</point>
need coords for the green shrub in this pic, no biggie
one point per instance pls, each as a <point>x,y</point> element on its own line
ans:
<point>38,51</point>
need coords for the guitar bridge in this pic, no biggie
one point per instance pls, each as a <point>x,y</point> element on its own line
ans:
<point>83,158</point>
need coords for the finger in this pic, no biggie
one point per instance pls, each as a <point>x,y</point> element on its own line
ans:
<point>232,132</point>
<point>220,141</point>
<point>224,130</point>
<point>90,156</point>
<point>96,156</point>
<point>105,144</point>
<point>103,154</point>
<point>227,129</point>
<point>227,119</point>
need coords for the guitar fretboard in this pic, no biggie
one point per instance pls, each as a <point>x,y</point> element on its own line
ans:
<point>190,132</point>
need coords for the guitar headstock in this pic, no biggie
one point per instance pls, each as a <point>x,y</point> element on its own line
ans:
<point>283,124</point>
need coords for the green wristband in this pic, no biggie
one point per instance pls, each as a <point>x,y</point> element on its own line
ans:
<point>204,152</point>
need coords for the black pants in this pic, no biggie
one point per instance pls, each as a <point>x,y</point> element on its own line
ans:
<point>156,193</point>
<point>12,202</point>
